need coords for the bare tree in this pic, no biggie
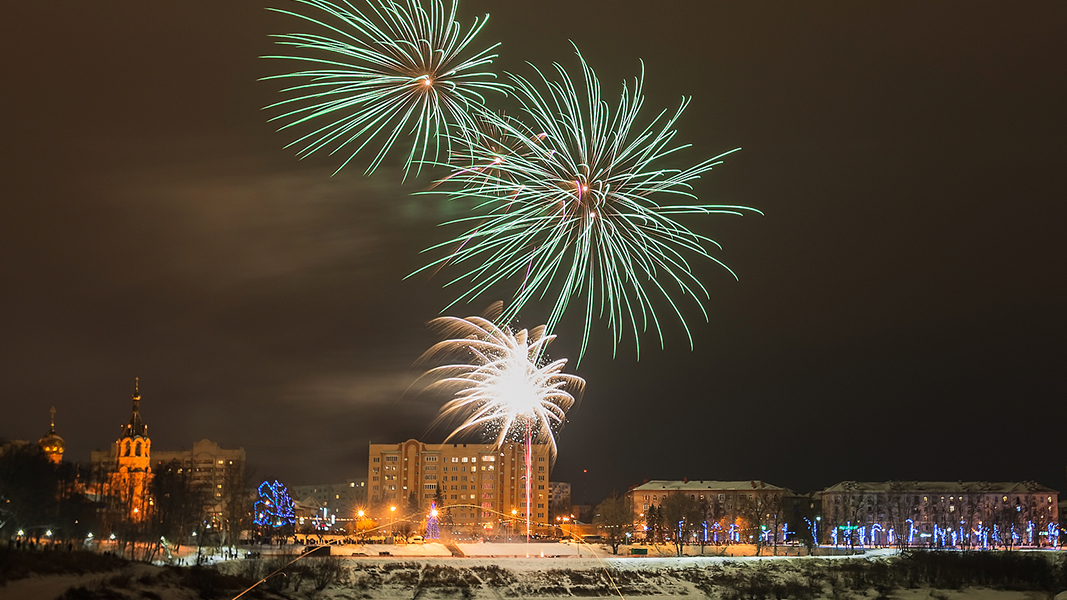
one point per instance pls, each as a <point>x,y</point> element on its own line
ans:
<point>177,505</point>
<point>681,515</point>
<point>236,504</point>
<point>615,518</point>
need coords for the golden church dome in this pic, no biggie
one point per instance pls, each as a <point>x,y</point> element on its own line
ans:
<point>51,444</point>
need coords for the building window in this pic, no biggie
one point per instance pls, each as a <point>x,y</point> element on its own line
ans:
<point>540,459</point>
<point>375,459</point>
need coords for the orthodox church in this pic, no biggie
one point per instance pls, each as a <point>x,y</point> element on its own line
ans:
<point>125,471</point>
<point>51,444</point>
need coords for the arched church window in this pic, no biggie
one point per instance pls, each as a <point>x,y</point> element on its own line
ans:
<point>137,449</point>
<point>127,453</point>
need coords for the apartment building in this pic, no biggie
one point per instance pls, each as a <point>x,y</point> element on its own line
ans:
<point>481,485</point>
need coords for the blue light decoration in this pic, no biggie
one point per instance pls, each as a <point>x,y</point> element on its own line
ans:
<point>1030,533</point>
<point>274,507</point>
<point>890,535</point>
<point>1053,534</point>
<point>874,533</point>
<point>716,528</point>
<point>833,535</point>
<point>911,531</point>
<point>433,532</point>
<point>811,528</point>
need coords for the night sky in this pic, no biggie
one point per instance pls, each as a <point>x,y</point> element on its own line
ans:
<point>901,306</point>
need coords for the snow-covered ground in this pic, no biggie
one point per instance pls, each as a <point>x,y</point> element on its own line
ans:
<point>497,571</point>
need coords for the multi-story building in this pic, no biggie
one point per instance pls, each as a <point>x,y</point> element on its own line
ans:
<point>559,498</point>
<point>213,468</point>
<point>483,484</point>
<point>341,499</point>
<point>967,514</point>
<point>727,505</point>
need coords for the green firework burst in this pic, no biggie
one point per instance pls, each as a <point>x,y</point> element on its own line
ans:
<point>574,202</point>
<point>397,68</point>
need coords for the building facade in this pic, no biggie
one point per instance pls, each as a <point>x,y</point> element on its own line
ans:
<point>213,469</point>
<point>341,499</point>
<point>559,498</point>
<point>729,508</point>
<point>971,514</point>
<point>480,485</point>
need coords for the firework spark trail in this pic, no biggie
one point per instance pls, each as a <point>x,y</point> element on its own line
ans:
<point>583,206</point>
<point>392,69</point>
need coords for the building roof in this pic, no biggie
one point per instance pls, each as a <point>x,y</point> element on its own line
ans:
<point>695,485</point>
<point>934,487</point>
<point>136,427</point>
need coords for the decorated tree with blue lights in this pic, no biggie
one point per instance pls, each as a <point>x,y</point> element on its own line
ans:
<point>274,511</point>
